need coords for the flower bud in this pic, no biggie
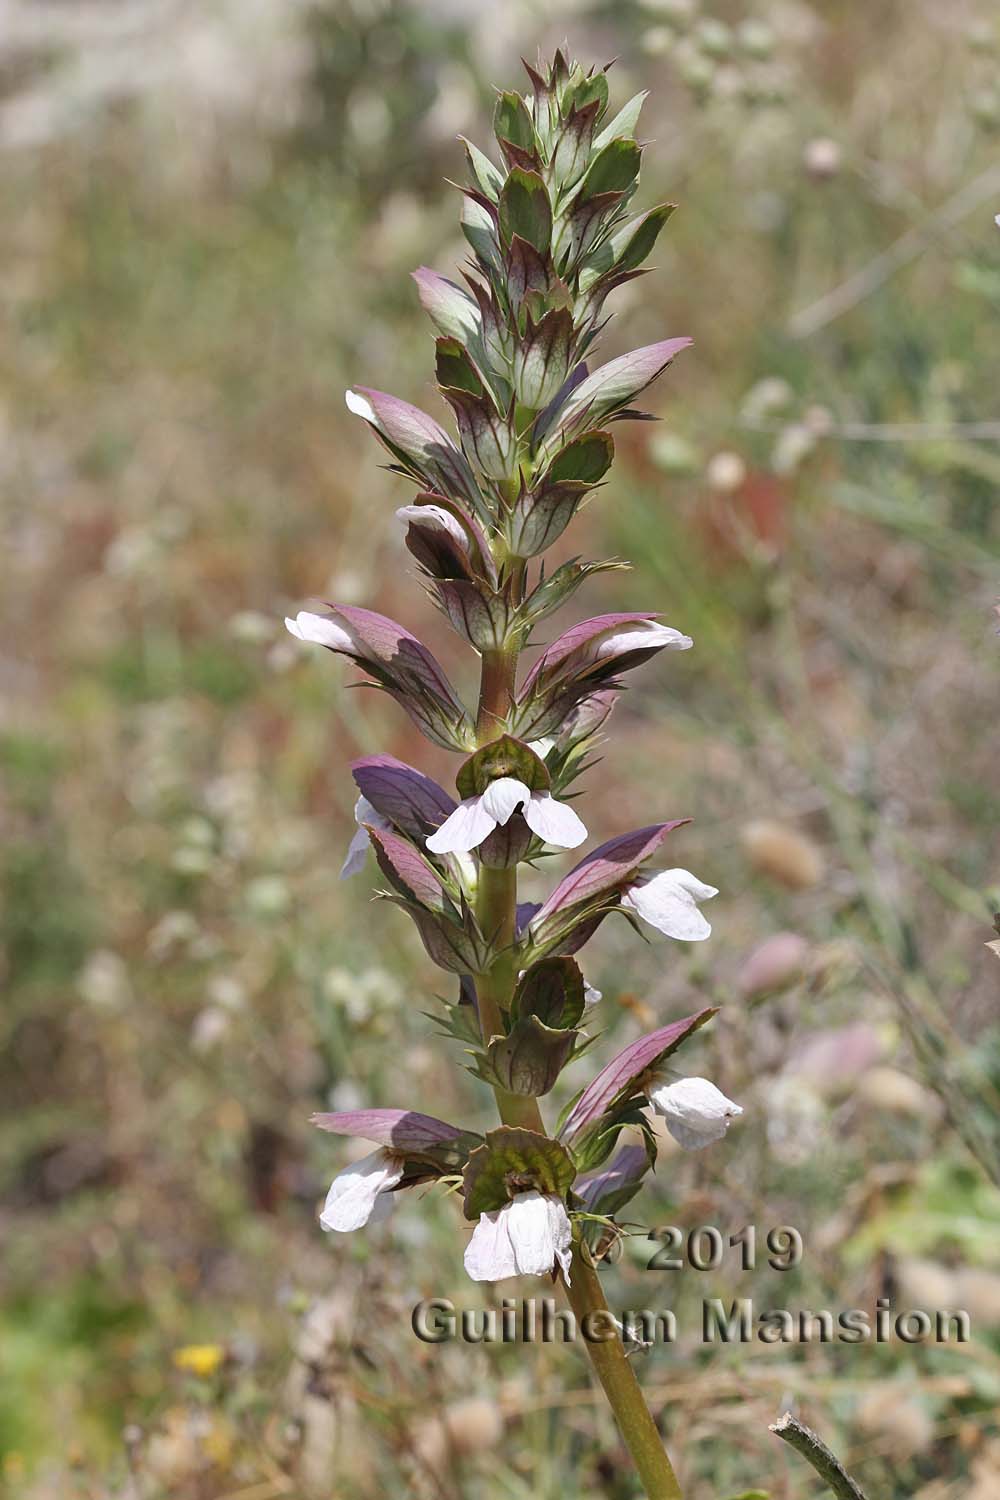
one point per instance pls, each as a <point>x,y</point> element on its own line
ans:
<point>420,444</point>
<point>783,853</point>
<point>397,661</point>
<point>772,966</point>
<point>584,659</point>
<point>695,1111</point>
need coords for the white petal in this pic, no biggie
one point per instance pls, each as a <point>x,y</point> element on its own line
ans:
<point>695,1111</point>
<point>540,1233</point>
<point>364,812</point>
<point>489,1255</point>
<point>320,630</point>
<point>382,1209</point>
<point>504,796</point>
<point>641,635</point>
<point>463,830</point>
<point>562,1234</point>
<point>553,821</point>
<point>350,1202</point>
<point>435,518</point>
<point>359,405</point>
<point>668,902</point>
<point>356,851</point>
<point>697,888</point>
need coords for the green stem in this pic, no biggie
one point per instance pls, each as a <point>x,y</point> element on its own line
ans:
<point>814,1450</point>
<point>496,690</point>
<point>496,912</point>
<point>635,1422</point>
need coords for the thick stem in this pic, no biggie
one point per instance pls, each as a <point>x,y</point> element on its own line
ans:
<point>496,689</point>
<point>496,912</point>
<point>635,1422</point>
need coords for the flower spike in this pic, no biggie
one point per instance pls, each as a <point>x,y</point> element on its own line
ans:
<point>529,406</point>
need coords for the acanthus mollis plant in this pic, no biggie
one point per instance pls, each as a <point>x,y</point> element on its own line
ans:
<point>551,234</point>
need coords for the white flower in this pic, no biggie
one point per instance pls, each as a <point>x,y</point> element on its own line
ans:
<point>636,635</point>
<point>435,518</point>
<point>475,819</point>
<point>695,1111</point>
<point>355,1194</point>
<point>669,902</point>
<point>524,1238</point>
<point>359,845</point>
<point>321,630</point>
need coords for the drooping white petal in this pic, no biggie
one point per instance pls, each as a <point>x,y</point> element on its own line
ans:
<point>364,812</point>
<point>359,405</point>
<point>489,1255</point>
<point>562,1235</point>
<point>435,518</point>
<point>530,1233</point>
<point>527,1237</point>
<point>351,1201</point>
<point>463,830</point>
<point>554,821</point>
<point>382,1209</point>
<point>540,1232</point>
<point>695,1111</point>
<point>504,796</point>
<point>354,860</point>
<point>640,635</point>
<point>320,630</point>
<point>668,902</point>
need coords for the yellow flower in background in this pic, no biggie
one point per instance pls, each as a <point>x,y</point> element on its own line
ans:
<point>200,1359</point>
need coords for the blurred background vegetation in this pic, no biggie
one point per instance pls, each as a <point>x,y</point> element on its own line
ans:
<point>210,211</point>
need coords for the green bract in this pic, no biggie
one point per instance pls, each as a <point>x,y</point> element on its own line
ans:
<point>512,1161</point>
